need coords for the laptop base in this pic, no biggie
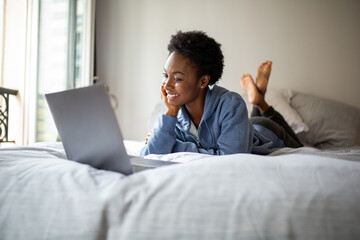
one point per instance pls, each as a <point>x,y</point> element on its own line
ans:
<point>140,164</point>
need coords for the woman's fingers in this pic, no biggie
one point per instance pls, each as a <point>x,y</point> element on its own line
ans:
<point>148,136</point>
<point>163,91</point>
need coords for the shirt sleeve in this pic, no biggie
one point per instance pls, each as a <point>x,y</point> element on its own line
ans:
<point>236,133</point>
<point>162,138</point>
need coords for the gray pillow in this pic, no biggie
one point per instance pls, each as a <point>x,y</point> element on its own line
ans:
<point>331,123</point>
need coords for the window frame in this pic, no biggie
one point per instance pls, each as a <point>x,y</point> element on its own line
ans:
<point>24,106</point>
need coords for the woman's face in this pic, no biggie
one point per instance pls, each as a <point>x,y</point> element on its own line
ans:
<point>180,81</point>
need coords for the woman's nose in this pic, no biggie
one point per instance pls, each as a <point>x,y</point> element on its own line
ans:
<point>167,84</point>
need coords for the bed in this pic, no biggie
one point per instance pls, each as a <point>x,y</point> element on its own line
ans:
<point>306,193</point>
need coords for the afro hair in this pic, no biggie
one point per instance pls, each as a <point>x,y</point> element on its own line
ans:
<point>202,50</point>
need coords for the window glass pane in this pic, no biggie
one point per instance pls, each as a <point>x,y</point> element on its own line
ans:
<point>79,44</point>
<point>58,58</point>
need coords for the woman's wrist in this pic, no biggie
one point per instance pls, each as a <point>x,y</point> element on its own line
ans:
<point>171,112</point>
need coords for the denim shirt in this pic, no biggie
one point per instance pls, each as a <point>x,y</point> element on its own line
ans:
<point>224,129</point>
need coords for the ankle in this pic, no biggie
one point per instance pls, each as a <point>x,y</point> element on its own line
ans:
<point>263,106</point>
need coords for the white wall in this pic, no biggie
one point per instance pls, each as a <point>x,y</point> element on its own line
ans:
<point>314,46</point>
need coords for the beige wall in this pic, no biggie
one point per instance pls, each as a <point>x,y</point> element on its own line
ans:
<point>315,47</point>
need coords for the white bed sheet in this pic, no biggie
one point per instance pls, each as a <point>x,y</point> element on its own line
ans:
<point>293,194</point>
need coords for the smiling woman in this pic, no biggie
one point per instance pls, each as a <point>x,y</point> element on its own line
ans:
<point>195,61</point>
<point>202,117</point>
<point>181,86</point>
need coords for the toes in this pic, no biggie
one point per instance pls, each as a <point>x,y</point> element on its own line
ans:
<point>268,64</point>
<point>262,65</point>
<point>246,76</point>
<point>246,79</point>
<point>265,66</point>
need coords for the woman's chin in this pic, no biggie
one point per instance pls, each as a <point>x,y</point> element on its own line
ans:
<point>174,103</point>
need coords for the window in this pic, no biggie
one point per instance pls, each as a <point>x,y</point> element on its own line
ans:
<point>61,52</point>
<point>45,46</point>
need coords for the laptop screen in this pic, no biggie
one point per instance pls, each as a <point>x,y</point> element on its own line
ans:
<point>88,128</point>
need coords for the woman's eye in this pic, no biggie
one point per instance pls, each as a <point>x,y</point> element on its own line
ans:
<point>178,79</point>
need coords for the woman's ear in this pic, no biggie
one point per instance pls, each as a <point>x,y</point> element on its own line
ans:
<point>204,80</point>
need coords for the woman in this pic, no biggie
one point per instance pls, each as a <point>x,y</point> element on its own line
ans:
<point>203,117</point>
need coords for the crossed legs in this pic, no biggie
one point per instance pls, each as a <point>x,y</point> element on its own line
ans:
<point>256,91</point>
<point>262,113</point>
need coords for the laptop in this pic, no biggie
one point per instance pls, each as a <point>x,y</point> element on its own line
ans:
<point>90,133</point>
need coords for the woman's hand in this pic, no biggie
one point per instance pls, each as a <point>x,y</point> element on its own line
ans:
<point>172,110</point>
<point>148,136</point>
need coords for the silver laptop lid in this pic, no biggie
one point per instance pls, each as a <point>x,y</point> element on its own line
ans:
<point>89,129</point>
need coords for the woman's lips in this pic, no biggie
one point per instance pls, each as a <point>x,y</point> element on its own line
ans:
<point>172,96</point>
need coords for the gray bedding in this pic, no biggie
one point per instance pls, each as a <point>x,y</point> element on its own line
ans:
<point>293,194</point>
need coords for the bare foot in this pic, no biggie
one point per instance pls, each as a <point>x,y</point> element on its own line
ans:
<point>252,91</point>
<point>262,76</point>
<point>247,83</point>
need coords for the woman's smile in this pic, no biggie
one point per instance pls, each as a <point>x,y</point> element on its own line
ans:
<point>180,81</point>
<point>172,96</point>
